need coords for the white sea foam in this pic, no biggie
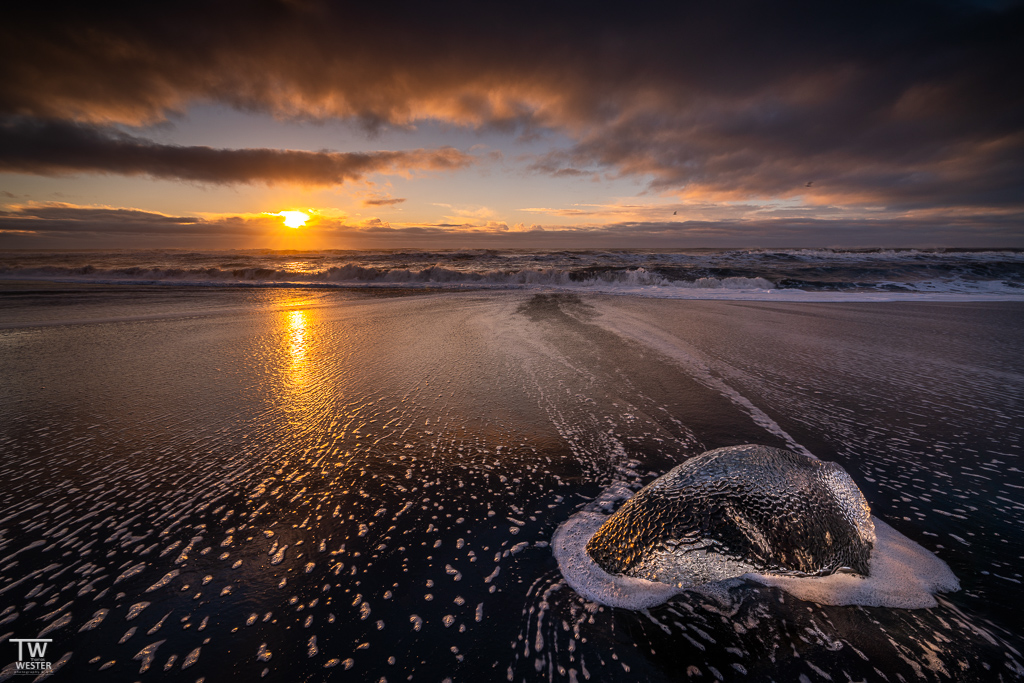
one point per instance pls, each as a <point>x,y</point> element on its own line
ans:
<point>700,367</point>
<point>752,275</point>
<point>903,574</point>
<point>586,578</point>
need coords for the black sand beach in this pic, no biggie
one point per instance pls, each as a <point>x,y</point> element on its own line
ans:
<point>303,484</point>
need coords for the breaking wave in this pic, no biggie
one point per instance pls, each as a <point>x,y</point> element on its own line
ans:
<point>357,274</point>
<point>792,274</point>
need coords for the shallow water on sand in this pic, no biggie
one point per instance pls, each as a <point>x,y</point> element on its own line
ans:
<point>298,484</point>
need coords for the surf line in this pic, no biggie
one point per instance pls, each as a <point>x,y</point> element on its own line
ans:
<point>701,370</point>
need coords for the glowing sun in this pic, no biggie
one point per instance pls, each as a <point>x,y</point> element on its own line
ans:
<point>293,219</point>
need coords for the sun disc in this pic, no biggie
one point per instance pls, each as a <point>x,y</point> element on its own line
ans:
<point>294,219</point>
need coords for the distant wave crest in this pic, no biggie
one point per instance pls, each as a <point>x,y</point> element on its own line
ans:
<point>355,274</point>
<point>714,274</point>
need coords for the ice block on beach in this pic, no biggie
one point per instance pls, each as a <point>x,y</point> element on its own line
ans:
<point>736,510</point>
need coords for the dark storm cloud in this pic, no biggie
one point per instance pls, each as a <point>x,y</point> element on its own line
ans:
<point>48,219</point>
<point>70,212</point>
<point>874,103</point>
<point>47,147</point>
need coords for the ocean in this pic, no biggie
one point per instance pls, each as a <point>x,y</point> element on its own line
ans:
<point>660,272</point>
<point>353,465</point>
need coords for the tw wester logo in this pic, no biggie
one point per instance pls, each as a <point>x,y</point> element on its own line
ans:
<point>36,662</point>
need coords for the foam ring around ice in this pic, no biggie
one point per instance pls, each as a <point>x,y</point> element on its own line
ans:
<point>899,572</point>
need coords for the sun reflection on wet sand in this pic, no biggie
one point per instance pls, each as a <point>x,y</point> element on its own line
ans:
<point>301,395</point>
<point>297,340</point>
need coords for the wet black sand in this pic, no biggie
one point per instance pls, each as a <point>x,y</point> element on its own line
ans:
<point>349,485</point>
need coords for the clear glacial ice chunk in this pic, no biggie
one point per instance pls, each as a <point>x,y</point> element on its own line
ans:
<point>736,510</point>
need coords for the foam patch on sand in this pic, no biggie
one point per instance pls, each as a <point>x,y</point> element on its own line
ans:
<point>903,574</point>
<point>588,579</point>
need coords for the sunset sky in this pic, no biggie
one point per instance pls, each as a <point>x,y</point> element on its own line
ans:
<point>427,125</point>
